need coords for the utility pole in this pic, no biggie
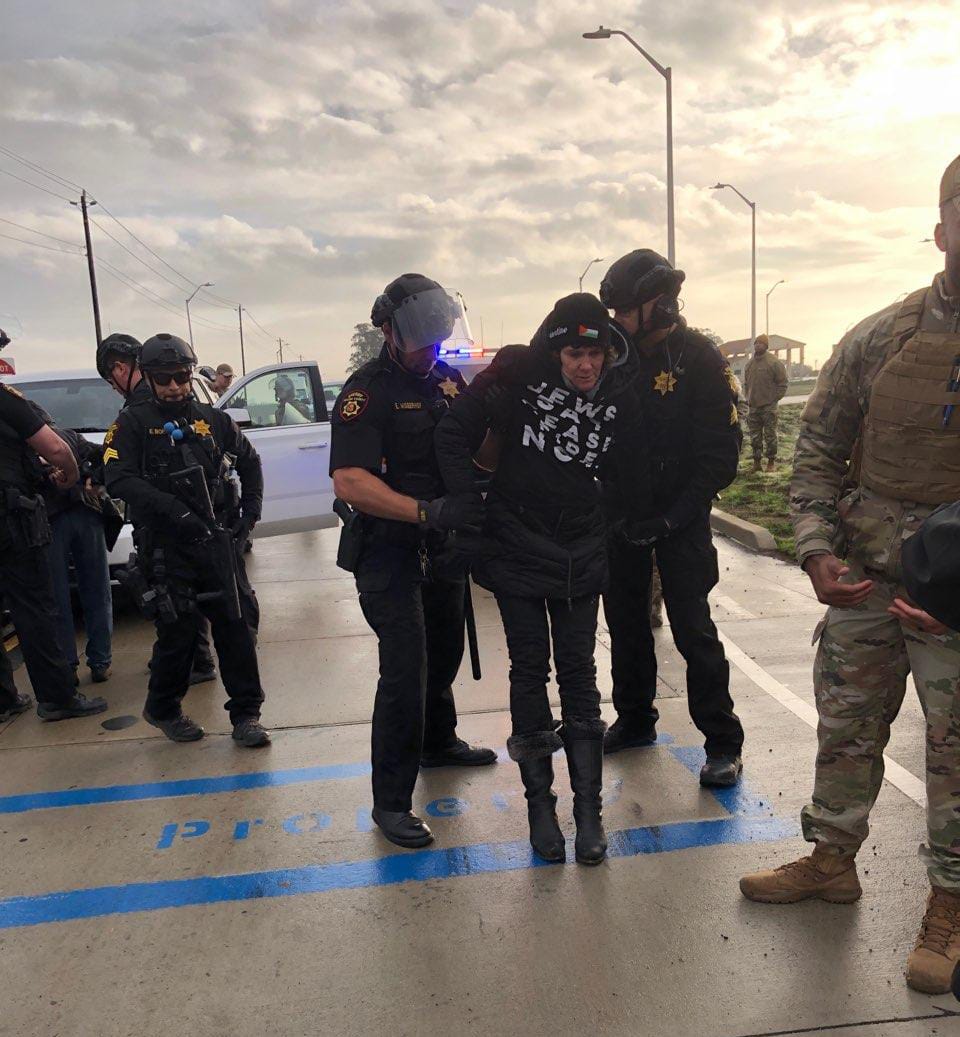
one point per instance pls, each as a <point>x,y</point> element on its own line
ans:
<point>280,343</point>
<point>243,359</point>
<point>90,266</point>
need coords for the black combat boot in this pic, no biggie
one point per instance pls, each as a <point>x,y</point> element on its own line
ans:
<point>534,755</point>
<point>583,741</point>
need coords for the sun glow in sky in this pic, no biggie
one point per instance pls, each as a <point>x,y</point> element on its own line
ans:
<point>300,155</point>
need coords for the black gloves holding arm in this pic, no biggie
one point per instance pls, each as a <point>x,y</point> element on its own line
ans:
<point>455,511</point>
<point>644,532</point>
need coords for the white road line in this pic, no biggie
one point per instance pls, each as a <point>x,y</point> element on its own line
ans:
<point>910,785</point>
<point>733,607</point>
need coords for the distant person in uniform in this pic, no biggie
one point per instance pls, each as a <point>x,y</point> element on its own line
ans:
<point>765,379</point>
<point>878,451</point>
<point>412,592</point>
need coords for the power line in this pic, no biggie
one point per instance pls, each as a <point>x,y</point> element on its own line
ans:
<point>55,177</point>
<point>166,303</point>
<point>30,183</point>
<point>258,324</point>
<point>133,254</point>
<point>132,288</point>
<point>36,244</point>
<point>173,269</point>
<point>62,241</point>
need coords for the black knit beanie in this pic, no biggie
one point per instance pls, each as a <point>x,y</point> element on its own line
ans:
<point>575,320</point>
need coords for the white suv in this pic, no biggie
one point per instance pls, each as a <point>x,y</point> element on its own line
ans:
<point>282,410</point>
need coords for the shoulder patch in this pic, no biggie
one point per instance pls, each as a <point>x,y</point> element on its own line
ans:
<point>353,404</point>
<point>110,433</point>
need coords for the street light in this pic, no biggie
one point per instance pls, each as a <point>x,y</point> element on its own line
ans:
<point>590,264</point>
<point>753,256</point>
<point>206,284</point>
<point>768,304</point>
<point>667,73</point>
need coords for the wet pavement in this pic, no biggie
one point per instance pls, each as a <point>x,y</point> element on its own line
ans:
<point>152,888</point>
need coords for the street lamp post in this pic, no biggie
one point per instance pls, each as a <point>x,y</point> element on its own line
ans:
<point>667,73</point>
<point>206,284</point>
<point>781,281</point>
<point>753,257</point>
<point>590,264</point>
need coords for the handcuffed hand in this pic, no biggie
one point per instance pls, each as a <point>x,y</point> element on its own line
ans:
<point>455,512</point>
<point>644,532</point>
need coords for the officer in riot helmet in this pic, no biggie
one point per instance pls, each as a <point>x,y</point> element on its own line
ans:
<point>658,493</point>
<point>397,545</point>
<point>168,457</point>
<point>26,436</point>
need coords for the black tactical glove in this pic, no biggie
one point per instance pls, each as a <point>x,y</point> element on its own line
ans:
<point>644,532</point>
<point>190,526</point>
<point>460,511</point>
<point>242,528</point>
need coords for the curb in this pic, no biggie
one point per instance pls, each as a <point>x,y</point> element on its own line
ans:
<point>749,534</point>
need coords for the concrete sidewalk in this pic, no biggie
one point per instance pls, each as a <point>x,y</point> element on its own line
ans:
<point>150,888</point>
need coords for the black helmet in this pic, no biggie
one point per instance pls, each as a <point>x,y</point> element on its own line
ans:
<point>420,312</point>
<point>637,277</point>
<point>123,347</point>
<point>166,350</point>
<point>4,339</point>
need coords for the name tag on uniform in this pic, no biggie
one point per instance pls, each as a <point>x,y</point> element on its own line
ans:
<point>409,405</point>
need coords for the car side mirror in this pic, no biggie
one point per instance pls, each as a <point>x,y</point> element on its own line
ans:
<point>240,415</point>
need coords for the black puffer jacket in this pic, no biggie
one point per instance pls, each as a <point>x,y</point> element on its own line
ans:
<point>544,533</point>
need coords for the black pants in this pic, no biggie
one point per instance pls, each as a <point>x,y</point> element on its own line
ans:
<point>573,626</point>
<point>420,630</point>
<point>203,655</point>
<point>687,561</point>
<point>177,642</point>
<point>28,591</point>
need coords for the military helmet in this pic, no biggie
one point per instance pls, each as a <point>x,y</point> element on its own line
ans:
<point>166,350</point>
<point>638,277</point>
<point>123,347</point>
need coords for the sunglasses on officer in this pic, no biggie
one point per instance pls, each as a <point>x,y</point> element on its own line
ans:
<point>166,377</point>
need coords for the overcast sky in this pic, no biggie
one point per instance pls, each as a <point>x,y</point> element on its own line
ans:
<point>301,154</point>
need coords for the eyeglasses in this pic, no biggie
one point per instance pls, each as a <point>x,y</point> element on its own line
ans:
<point>166,377</point>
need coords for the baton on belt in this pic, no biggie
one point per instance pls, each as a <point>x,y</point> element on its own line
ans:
<point>471,622</point>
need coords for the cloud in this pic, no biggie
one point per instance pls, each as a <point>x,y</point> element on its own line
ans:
<point>301,155</point>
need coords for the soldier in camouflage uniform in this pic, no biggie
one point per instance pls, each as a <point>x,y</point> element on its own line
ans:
<point>878,451</point>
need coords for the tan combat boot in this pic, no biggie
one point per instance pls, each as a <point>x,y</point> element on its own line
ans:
<point>772,465</point>
<point>757,465</point>
<point>822,875</point>
<point>931,964</point>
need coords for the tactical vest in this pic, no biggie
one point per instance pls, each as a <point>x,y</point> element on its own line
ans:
<point>908,452</point>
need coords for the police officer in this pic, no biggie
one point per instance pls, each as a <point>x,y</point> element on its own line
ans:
<point>24,561</point>
<point>383,464</point>
<point>689,443</point>
<point>151,442</point>
<point>118,362</point>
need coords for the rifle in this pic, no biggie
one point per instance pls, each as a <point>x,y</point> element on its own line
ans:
<point>190,485</point>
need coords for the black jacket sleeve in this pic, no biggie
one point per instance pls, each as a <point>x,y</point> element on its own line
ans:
<point>122,472</point>
<point>714,439</point>
<point>248,465</point>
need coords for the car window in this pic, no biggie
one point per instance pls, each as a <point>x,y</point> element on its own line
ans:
<point>278,398</point>
<point>331,390</point>
<point>83,404</point>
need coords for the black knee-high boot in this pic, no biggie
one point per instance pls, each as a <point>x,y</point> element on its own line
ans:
<point>583,741</point>
<point>534,755</point>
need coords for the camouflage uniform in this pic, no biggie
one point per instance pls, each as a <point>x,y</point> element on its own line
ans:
<point>865,654</point>
<point>765,380</point>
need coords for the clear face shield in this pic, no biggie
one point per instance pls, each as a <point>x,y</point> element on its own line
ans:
<point>422,320</point>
